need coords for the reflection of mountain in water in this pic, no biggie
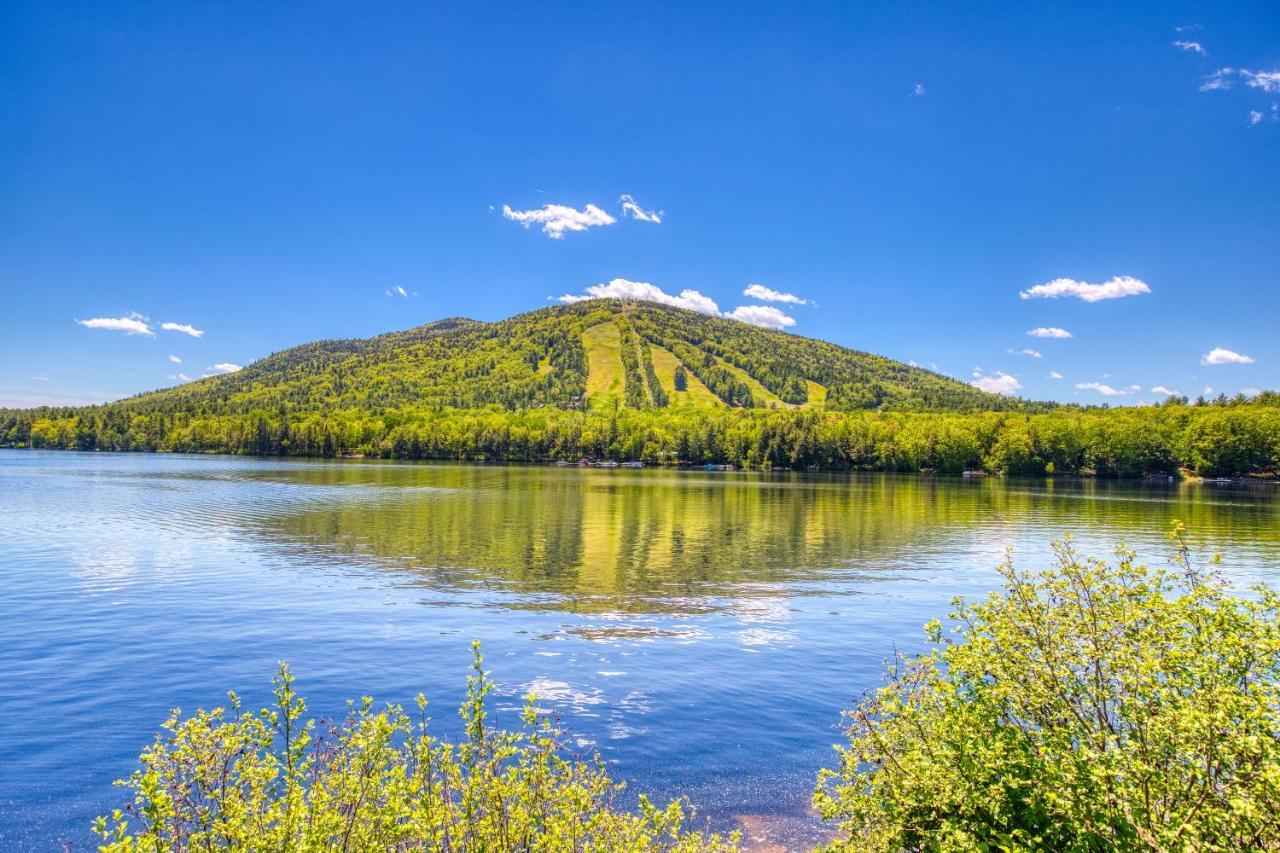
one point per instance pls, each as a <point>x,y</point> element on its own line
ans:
<point>666,535</point>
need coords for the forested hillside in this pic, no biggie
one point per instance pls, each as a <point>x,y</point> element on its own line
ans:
<point>636,381</point>
<point>541,359</point>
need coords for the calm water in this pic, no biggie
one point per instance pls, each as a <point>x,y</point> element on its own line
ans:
<point>701,630</point>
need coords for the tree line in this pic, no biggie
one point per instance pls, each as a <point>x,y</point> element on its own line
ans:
<point>1229,439</point>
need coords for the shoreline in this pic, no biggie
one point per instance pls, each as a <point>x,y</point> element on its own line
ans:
<point>1183,476</point>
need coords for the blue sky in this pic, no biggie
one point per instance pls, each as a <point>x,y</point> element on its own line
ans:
<point>270,175</point>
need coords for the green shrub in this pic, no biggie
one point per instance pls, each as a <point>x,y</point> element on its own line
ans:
<point>232,779</point>
<point>1088,707</point>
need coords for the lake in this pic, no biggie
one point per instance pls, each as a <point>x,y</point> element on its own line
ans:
<point>702,630</point>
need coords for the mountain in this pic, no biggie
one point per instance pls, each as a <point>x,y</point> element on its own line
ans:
<point>596,355</point>
<point>638,382</point>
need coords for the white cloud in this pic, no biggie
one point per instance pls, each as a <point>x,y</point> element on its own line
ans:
<point>1187,28</point>
<point>181,376</point>
<point>643,291</point>
<point>1107,390</point>
<point>1251,391</point>
<point>1254,117</point>
<point>182,327</point>
<point>998,382</point>
<point>637,212</point>
<point>1193,46</point>
<point>399,291</point>
<point>1053,374</point>
<point>226,367</point>
<point>1114,288</point>
<point>40,377</point>
<point>759,291</point>
<point>1219,355</point>
<point>761,315</point>
<point>132,323</point>
<point>1208,389</point>
<point>1048,332</point>
<point>1225,78</point>
<point>1267,81</point>
<point>695,301</point>
<point>1218,80</point>
<point>917,90</point>
<point>556,219</point>
<point>1025,351</point>
<point>1168,392</point>
<point>175,359</point>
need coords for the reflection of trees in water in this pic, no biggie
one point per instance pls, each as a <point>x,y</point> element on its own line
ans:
<point>666,535</point>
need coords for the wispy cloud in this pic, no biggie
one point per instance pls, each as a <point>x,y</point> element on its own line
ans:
<point>181,377</point>
<point>759,291</point>
<point>1187,28</point>
<point>1114,288</point>
<point>175,359</point>
<point>556,219</point>
<point>629,206</point>
<point>1048,332</point>
<point>182,327</point>
<point>1193,46</point>
<point>132,323</point>
<point>1168,392</point>
<point>1028,351</point>
<point>1221,355</point>
<point>761,315</point>
<point>643,291</point>
<point>1267,81</point>
<point>998,382</point>
<point>1053,374</point>
<point>1218,80</point>
<point>225,367</point>
<point>1107,390</point>
<point>398,291</point>
<point>917,90</point>
<point>1225,78</point>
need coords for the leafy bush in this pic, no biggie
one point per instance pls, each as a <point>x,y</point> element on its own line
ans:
<point>1088,707</point>
<point>232,779</point>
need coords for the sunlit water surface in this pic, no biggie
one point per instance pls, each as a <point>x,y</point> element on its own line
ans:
<point>701,630</point>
